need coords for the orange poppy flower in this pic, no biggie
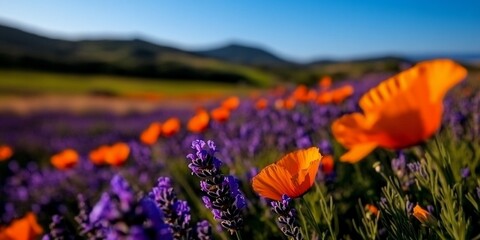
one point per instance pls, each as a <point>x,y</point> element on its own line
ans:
<point>66,159</point>
<point>400,112</point>
<point>327,164</point>
<point>337,95</point>
<point>312,95</point>
<point>342,93</point>
<point>370,208</point>
<point>117,154</point>
<point>26,228</point>
<point>150,135</point>
<point>261,103</point>
<point>324,98</point>
<point>423,215</point>
<point>199,122</point>
<point>220,114</point>
<point>97,156</point>
<point>301,94</point>
<point>5,152</point>
<point>231,103</point>
<point>171,127</point>
<point>288,103</point>
<point>325,82</point>
<point>292,175</point>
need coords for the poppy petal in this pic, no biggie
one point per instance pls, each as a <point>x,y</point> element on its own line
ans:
<point>272,182</point>
<point>199,122</point>
<point>306,176</point>
<point>426,82</point>
<point>401,111</point>
<point>351,129</point>
<point>358,152</point>
<point>170,127</point>
<point>442,75</point>
<point>299,160</point>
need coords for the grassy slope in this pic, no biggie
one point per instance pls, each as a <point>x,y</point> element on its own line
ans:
<point>17,81</point>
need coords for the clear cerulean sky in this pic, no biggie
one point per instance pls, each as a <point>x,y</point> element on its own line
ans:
<point>301,30</point>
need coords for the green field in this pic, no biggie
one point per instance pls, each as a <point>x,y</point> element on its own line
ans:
<point>15,82</point>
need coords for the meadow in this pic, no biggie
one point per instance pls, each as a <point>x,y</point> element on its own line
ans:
<point>382,156</point>
<point>37,82</point>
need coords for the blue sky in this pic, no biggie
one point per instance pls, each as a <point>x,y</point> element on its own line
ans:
<point>301,30</point>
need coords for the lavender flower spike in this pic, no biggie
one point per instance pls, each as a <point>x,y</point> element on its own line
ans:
<point>123,216</point>
<point>176,212</point>
<point>86,229</point>
<point>203,230</point>
<point>57,230</point>
<point>222,195</point>
<point>287,217</point>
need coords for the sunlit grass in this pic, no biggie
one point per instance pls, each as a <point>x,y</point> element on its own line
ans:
<point>36,82</point>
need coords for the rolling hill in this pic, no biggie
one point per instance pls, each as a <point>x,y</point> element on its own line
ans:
<point>232,63</point>
<point>20,49</point>
<point>247,55</point>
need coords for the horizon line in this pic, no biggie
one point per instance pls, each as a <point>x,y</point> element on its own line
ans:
<point>42,32</point>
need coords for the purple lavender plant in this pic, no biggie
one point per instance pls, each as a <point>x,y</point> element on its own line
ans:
<point>124,217</point>
<point>402,171</point>
<point>465,172</point>
<point>58,230</point>
<point>478,191</point>
<point>203,231</point>
<point>176,212</point>
<point>85,228</point>
<point>223,196</point>
<point>287,217</point>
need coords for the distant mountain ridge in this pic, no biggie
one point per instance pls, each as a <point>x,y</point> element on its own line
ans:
<point>135,57</point>
<point>230,63</point>
<point>246,55</point>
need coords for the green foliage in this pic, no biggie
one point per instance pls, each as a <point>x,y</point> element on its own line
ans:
<point>14,81</point>
<point>394,215</point>
<point>441,177</point>
<point>369,227</point>
<point>317,214</point>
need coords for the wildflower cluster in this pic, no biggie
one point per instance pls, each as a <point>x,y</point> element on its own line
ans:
<point>177,212</point>
<point>302,157</point>
<point>223,196</point>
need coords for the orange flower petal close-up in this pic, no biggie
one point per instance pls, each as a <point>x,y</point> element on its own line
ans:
<point>423,215</point>
<point>66,159</point>
<point>97,156</point>
<point>231,103</point>
<point>220,114</point>
<point>324,98</point>
<point>402,111</point>
<point>5,152</point>
<point>117,154</point>
<point>26,228</point>
<point>199,122</point>
<point>261,104</point>
<point>300,94</point>
<point>325,82</point>
<point>340,94</point>
<point>171,127</point>
<point>150,135</point>
<point>292,175</point>
<point>327,164</point>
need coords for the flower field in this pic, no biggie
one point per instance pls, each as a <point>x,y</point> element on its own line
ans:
<point>380,157</point>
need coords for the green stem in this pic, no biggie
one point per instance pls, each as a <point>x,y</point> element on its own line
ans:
<point>332,233</point>
<point>305,227</point>
<point>310,216</point>
<point>239,236</point>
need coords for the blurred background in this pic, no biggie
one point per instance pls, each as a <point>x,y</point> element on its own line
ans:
<point>123,56</point>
